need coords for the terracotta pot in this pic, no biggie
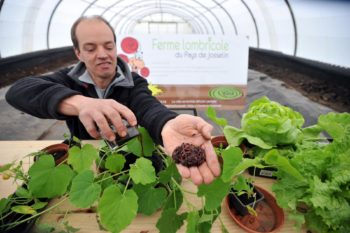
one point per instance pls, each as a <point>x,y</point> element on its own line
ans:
<point>218,141</point>
<point>270,216</point>
<point>58,151</point>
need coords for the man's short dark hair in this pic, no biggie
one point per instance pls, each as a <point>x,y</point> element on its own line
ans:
<point>82,18</point>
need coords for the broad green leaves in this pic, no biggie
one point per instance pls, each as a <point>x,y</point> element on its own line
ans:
<point>150,199</point>
<point>142,172</point>
<point>214,193</point>
<point>115,162</point>
<point>192,221</point>
<point>273,158</point>
<point>134,146</point>
<point>267,124</point>
<point>211,113</point>
<point>147,143</point>
<point>170,172</point>
<point>117,210</point>
<point>82,159</point>
<point>170,222</point>
<point>232,157</point>
<point>84,192</point>
<point>48,181</point>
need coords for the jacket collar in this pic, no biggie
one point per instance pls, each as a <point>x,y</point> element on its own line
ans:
<point>123,76</point>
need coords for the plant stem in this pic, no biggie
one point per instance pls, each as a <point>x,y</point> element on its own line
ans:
<point>182,189</point>
<point>11,225</point>
<point>126,186</point>
<point>111,176</point>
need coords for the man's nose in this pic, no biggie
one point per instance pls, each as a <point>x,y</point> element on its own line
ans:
<point>101,52</point>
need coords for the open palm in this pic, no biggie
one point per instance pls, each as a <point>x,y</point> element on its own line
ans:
<point>190,129</point>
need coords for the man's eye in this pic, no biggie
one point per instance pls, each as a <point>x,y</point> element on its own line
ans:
<point>89,49</point>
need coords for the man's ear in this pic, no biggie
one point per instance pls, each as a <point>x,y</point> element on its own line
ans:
<point>77,53</point>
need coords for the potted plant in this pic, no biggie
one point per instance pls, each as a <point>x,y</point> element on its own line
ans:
<point>320,201</point>
<point>20,210</point>
<point>131,188</point>
<point>265,126</point>
<point>251,207</point>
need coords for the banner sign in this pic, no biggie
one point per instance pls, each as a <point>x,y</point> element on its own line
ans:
<point>190,71</point>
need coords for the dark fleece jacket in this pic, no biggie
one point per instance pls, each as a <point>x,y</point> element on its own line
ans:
<point>40,97</point>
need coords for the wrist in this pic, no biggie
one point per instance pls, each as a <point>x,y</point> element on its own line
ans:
<point>72,105</point>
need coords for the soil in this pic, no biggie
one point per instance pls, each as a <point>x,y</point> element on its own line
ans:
<point>330,94</point>
<point>189,155</point>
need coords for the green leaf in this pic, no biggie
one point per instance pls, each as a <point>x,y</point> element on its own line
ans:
<point>207,218</point>
<point>69,228</point>
<point>236,136</point>
<point>24,193</point>
<point>312,132</point>
<point>4,205</point>
<point>84,192</point>
<point>192,222</point>
<point>107,180</point>
<point>39,205</point>
<point>211,114</point>
<point>23,209</point>
<point>170,172</point>
<point>170,222</point>
<point>232,157</point>
<point>117,210</point>
<point>48,181</point>
<point>150,199</point>
<point>115,162</point>
<point>214,193</point>
<point>5,167</point>
<point>82,158</point>
<point>147,142</point>
<point>44,228</point>
<point>134,146</point>
<point>272,123</point>
<point>174,200</point>
<point>335,123</point>
<point>142,172</point>
<point>282,163</point>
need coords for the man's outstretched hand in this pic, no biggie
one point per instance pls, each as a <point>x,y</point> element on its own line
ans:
<point>191,129</point>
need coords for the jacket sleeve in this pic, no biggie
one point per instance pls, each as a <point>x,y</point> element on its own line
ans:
<point>150,113</point>
<point>40,96</point>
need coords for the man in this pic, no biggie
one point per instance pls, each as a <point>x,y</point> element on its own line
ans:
<point>100,90</point>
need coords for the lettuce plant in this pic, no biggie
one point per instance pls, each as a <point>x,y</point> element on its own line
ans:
<point>322,199</point>
<point>267,124</point>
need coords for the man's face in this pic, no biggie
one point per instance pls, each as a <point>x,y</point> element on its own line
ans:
<point>97,49</point>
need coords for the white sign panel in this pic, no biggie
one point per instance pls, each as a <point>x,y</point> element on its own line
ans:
<point>190,70</point>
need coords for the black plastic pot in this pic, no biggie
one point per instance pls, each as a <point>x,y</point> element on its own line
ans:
<point>240,203</point>
<point>25,227</point>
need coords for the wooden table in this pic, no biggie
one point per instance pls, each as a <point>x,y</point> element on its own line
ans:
<point>87,222</point>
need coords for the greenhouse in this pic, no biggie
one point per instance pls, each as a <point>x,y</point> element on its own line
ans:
<point>175,116</point>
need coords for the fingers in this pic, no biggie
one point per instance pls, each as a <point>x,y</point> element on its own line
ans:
<point>126,113</point>
<point>100,114</point>
<point>198,175</point>
<point>184,171</point>
<point>204,128</point>
<point>206,172</point>
<point>211,159</point>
